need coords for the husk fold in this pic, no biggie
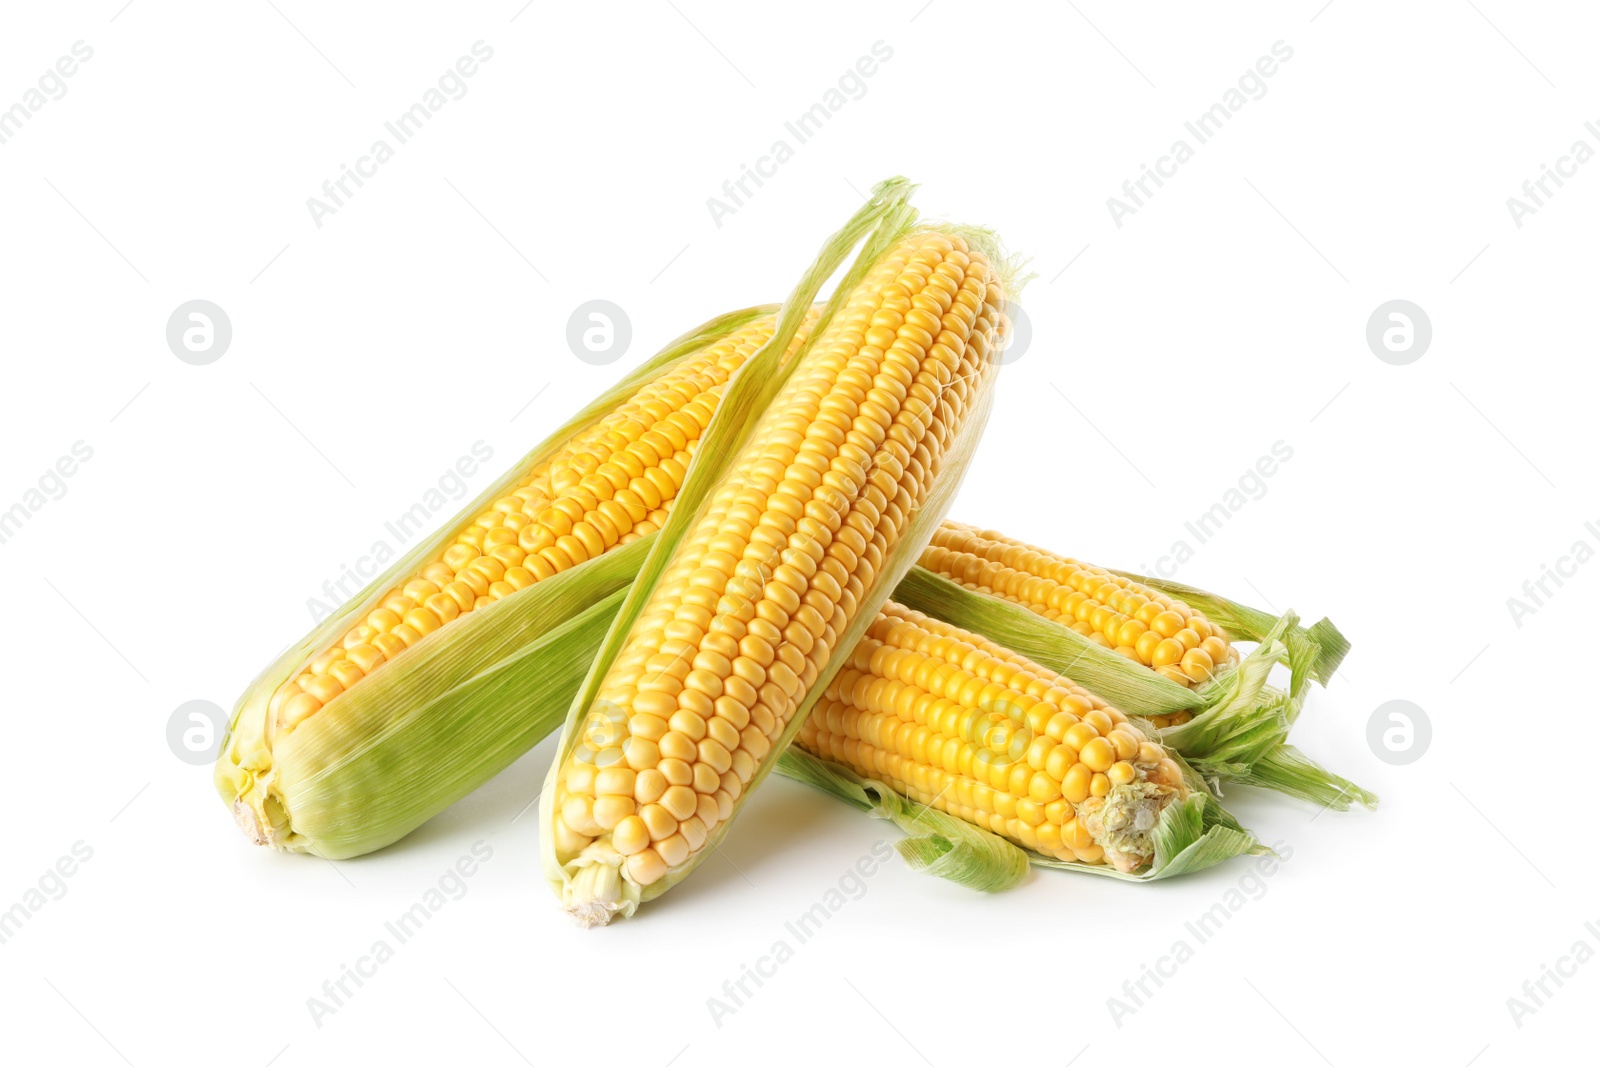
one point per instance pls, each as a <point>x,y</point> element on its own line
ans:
<point>593,898</point>
<point>447,714</point>
<point>939,844</point>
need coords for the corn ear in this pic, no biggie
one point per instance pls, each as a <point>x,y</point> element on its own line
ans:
<point>932,714</point>
<point>616,833</point>
<point>1238,725</point>
<point>432,724</point>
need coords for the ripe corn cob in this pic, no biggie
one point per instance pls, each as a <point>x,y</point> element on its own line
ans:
<point>1118,634</point>
<point>958,723</point>
<point>1131,619</point>
<point>789,558</point>
<point>300,780</point>
<point>609,485</point>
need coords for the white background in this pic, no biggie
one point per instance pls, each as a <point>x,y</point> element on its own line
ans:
<point>1167,355</point>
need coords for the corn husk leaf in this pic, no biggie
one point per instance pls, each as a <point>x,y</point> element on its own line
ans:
<point>1312,654</point>
<point>353,777</point>
<point>939,844</point>
<point>1128,685</point>
<point>359,783</point>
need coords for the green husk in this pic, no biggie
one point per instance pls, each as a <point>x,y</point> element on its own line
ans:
<point>1133,688</point>
<point>1288,770</point>
<point>1311,654</point>
<point>354,777</point>
<point>357,782</point>
<point>940,844</point>
<point>1240,723</point>
<point>593,887</point>
<point>1243,623</point>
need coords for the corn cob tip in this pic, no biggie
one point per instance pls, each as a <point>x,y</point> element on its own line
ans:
<point>597,894</point>
<point>246,790</point>
<point>253,827</point>
<point>259,813</point>
<point>1122,823</point>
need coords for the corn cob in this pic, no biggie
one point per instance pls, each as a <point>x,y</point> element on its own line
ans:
<point>1133,620</point>
<point>958,723</point>
<point>785,564</point>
